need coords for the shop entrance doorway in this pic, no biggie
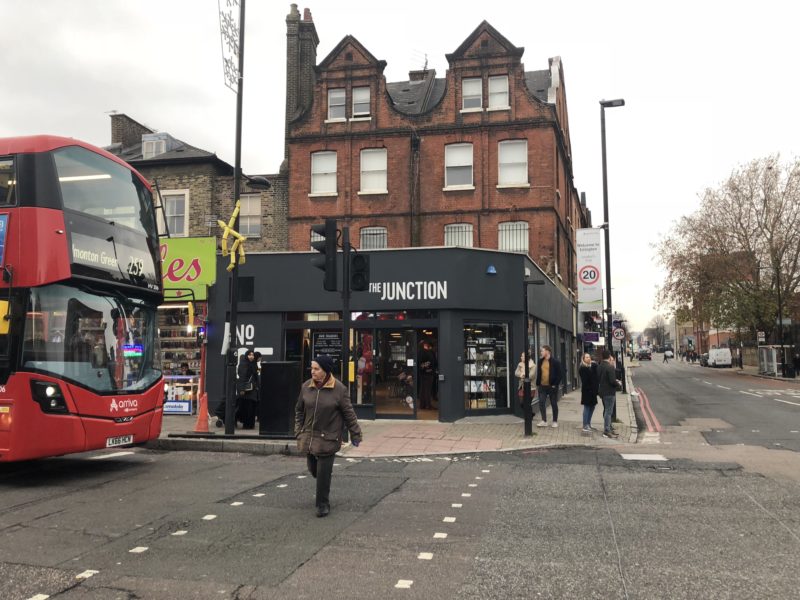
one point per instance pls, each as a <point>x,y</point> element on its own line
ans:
<point>398,371</point>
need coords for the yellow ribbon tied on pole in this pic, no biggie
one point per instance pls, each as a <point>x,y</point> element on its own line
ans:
<point>238,244</point>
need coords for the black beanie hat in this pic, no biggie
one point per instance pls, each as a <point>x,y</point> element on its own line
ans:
<point>325,362</point>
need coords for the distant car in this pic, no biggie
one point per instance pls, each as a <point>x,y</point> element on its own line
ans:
<point>704,359</point>
<point>644,354</point>
<point>669,354</point>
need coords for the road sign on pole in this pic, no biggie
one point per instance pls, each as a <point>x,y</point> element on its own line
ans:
<point>618,333</point>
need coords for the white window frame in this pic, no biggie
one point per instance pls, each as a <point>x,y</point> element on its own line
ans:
<point>152,148</point>
<point>361,114</point>
<point>247,217</point>
<point>372,233</point>
<point>458,231</point>
<point>498,99</point>
<point>321,173</point>
<point>469,98</point>
<point>513,228</point>
<point>161,213</point>
<point>368,156</point>
<point>509,160</point>
<point>454,158</point>
<point>334,97</point>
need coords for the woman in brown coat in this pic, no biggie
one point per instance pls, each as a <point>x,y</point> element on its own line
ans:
<point>323,408</point>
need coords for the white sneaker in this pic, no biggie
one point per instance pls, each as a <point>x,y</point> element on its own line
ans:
<point>554,425</point>
<point>542,424</point>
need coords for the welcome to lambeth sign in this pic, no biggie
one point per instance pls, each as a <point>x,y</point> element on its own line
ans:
<point>188,265</point>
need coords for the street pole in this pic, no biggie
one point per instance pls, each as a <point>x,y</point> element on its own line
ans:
<point>231,357</point>
<point>780,320</point>
<point>609,312</point>
<point>346,306</point>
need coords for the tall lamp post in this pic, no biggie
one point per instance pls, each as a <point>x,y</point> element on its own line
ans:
<point>603,105</point>
<point>527,409</point>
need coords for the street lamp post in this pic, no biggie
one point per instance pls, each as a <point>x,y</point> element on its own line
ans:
<point>603,105</point>
<point>527,409</point>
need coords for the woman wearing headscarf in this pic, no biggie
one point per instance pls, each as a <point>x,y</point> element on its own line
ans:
<point>247,388</point>
<point>323,408</point>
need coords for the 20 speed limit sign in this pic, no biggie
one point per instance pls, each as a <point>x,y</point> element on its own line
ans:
<point>618,334</point>
<point>589,274</point>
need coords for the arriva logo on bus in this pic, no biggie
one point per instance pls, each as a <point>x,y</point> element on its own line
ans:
<point>124,405</point>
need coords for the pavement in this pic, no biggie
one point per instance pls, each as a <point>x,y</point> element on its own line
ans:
<point>395,438</point>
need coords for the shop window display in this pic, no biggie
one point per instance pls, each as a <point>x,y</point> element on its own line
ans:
<point>485,366</point>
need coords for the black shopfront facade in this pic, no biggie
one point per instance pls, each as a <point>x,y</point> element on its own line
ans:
<point>438,334</point>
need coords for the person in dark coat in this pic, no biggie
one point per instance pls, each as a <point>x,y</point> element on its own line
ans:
<point>427,374</point>
<point>247,390</point>
<point>607,387</point>
<point>548,378</point>
<point>588,372</point>
<point>323,408</point>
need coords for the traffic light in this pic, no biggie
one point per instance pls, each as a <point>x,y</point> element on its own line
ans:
<point>327,247</point>
<point>359,272</point>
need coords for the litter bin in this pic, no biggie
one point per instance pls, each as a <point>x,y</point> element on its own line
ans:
<point>280,387</point>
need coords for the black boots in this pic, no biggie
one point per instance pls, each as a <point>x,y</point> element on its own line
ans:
<point>323,510</point>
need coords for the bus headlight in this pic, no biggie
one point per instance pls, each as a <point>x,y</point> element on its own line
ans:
<point>49,397</point>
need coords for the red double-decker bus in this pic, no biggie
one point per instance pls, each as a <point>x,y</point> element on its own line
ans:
<point>79,288</point>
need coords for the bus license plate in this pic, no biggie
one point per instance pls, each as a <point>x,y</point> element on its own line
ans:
<point>119,441</point>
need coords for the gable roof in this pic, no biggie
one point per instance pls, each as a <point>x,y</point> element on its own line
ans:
<point>416,97</point>
<point>349,40</point>
<point>538,83</point>
<point>181,154</point>
<point>485,27</point>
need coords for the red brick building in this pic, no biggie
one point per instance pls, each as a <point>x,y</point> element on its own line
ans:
<point>479,158</point>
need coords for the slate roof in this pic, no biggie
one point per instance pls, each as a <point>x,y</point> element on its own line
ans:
<point>183,153</point>
<point>418,97</point>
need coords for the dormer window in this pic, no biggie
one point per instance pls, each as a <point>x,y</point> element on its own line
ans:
<point>361,102</point>
<point>336,104</point>
<point>153,148</point>
<point>471,94</point>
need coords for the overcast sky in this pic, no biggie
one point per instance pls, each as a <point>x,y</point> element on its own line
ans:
<point>707,85</point>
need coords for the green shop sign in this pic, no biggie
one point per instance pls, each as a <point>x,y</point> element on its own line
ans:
<point>188,264</point>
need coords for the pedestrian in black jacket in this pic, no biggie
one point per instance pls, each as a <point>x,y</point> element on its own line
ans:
<point>548,378</point>
<point>247,390</point>
<point>608,384</point>
<point>588,372</point>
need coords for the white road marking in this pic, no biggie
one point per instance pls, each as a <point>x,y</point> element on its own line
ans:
<point>138,550</point>
<point>236,503</point>
<point>209,517</point>
<point>449,520</point>
<point>39,597</point>
<point>472,485</point>
<point>750,393</point>
<point>425,555</point>
<point>302,476</point>
<point>112,455</point>
<point>180,532</point>
<point>403,584</point>
<point>258,495</point>
<point>283,485</point>
<point>479,478</point>
<point>485,471</point>
<point>456,505</point>
<point>787,402</point>
<point>723,387</point>
<point>658,457</point>
<point>439,536</point>
<point>86,574</point>
<point>466,495</point>
<point>794,431</point>
<point>707,382</point>
<point>755,431</point>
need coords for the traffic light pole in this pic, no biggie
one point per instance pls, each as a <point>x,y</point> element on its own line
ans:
<point>346,306</point>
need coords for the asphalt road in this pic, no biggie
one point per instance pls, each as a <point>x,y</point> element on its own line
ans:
<point>559,523</point>
<point>760,412</point>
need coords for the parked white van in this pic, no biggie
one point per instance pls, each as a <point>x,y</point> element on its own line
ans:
<point>720,357</point>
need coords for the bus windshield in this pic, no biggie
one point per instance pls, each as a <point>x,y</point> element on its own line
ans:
<point>94,185</point>
<point>101,341</point>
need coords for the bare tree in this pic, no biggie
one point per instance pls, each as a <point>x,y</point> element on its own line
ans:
<point>728,262</point>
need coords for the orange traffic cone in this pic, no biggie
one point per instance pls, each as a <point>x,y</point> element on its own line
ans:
<point>202,415</point>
